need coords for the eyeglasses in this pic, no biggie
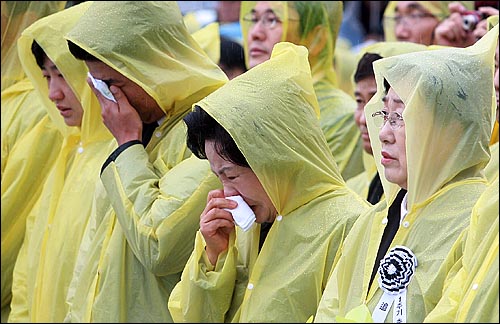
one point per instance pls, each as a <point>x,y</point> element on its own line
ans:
<point>411,19</point>
<point>269,20</point>
<point>381,117</point>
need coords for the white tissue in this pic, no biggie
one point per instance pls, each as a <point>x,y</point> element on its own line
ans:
<point>243,215</point>
<point>102,87</point>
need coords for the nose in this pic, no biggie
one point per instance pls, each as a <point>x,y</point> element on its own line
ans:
<point>402,30</point>
<point>257,31</point>
<point>362,118</point>
<point>230,191</point>
<point>55,90</point>
<point>386,134</point>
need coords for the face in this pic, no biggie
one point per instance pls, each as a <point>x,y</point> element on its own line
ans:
<point>497,86</point>
<point>62,95</point>
<point>364,91</point>
<point>146,106</point>
<point>238,180</point>
<point>261,39</point>
<point>394,143</point>
<point>414,23</point>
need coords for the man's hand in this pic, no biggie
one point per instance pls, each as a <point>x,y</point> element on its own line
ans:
<point>216,224</point>
<point>120,118</point>
<point>450,31</point>
<point>482,26</point>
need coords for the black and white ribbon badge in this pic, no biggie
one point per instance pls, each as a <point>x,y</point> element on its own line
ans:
<point>396,270</point>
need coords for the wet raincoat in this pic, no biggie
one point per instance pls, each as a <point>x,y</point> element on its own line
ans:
<point>208,38</point>
<point>146,214</point>
<point>438,8</point>
<point>361,182</point>
<point>16,16</point>
<point>22,110</point>
<point>28,154</point>
<point>319,27</point>
<point>492,168</point>
<point>449,100</point>
<point>271,113</point>
<point>55,225</point>
<point>472,294</point>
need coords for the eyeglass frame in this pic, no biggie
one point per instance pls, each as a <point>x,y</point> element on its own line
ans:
<point>395,119</point>
<point>251,19</point>
<point>415,17</point>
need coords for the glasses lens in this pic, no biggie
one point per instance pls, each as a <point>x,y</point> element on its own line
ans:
<point>378,118</point>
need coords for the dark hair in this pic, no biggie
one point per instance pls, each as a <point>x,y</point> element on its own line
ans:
<point>386,85</point>
<point>39,54</point>
<point>72,3</point>
<point>202,127</point>
<point>365,66</point>
<point>81,54</point>
<point>231,54</point>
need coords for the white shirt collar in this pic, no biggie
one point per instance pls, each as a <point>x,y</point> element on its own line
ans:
<point>404,209</point>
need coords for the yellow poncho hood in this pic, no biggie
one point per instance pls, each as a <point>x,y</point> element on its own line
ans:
<point>261,140</point>
<point>49,34</point>
<point>448,95</point>
<point>361,182</point>
<point>187,75</point>
<point>271,112</point>
<point>17,16</point>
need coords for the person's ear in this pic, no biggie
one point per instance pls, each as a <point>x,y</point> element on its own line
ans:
<point>316,40</point>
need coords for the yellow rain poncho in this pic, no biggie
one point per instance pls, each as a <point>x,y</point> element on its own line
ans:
<point>16,16</point>
<point>361,183</point>
<point>472,294</point>
<point>492,168</point>
<point>26,162</point>
<point>344,63</point>
<point>208,38</point>
<point>21,108</point>
<point>449,101</point>
<point>146,214</point>
<point>319,26</point>
<point>26,159</point>
<point>438,8</point>
<point>55,225</point>
<point>271,113</point>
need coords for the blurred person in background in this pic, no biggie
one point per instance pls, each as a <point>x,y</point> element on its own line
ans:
<point>416,21</point>
<point>232,58</point>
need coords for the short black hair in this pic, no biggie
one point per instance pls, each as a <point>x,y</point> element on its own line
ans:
<point>365,66</point>
<point>39,54</point>
<point>202,127</point>
<point>232,54</point>
<point>81,54</point>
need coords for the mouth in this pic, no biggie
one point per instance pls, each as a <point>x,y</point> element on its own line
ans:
<point>64,111</point>
<point>257,52</point>
<point>386,158</point>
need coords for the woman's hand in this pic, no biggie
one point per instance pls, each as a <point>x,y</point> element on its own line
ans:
<point>216,224</point>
